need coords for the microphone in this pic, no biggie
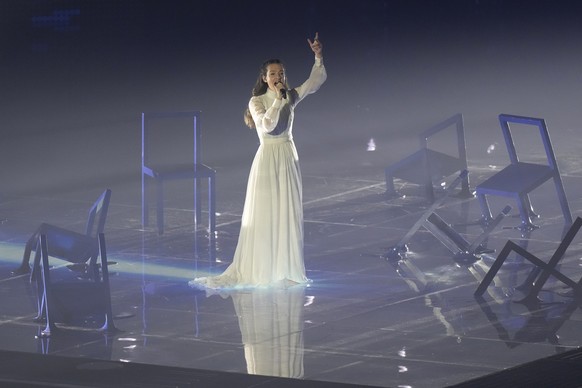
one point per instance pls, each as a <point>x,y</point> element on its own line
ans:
<point>282,90</point>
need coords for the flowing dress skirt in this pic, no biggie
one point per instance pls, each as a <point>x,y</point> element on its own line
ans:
<point>271,325</point>
<point>270,245</point>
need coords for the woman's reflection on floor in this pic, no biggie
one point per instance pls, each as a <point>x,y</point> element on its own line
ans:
<point>271,324</point>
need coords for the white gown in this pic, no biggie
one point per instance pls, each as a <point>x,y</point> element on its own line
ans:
<point>271,325</point>
<point>270,244</point>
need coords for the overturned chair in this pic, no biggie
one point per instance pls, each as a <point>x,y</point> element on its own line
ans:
<point>542,270</point>
<point>68,298</point>
<point>66,243</point>
<point>464,252</point>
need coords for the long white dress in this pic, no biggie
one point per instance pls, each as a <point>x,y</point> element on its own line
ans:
<point>271,325</point>
<point>270,244</point>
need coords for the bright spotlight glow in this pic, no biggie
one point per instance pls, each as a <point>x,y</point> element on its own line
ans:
<point>150,269</point>
<point>12,253</point>
<point>371,145</point>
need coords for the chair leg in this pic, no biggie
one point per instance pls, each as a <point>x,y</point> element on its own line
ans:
<point>40,300</point>
<point>495,267</point>
<point>485,211</point>
<point>429,192</point>
<point>108,325</point>
<point>428,184</point>
<point>50,327</point>
<point>390,190</point>
<point>524,206</point>
<point>212,218</point>
<point>24,267</point>
<point>144,201</point>
<point>35,270</point>
<point>160,205</point>
<point>197,206</point>
<point>529,207</point>
<point>465,188</point>
<point>47,297</point>
<point>563,199</point>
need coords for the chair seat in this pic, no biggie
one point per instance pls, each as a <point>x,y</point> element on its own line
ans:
<point>427,166</point>
<point>177,171</point>
<point>69,245</point>
<point>520,178</point>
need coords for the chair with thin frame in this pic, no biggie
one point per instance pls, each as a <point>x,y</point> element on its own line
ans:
<point>72,246</point>
<point>519,178</point>
<point>161,172</point>
<point>428,165</point>
<point>69,299</point>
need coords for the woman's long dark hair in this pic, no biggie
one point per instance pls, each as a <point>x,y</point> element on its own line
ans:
<point>260,88</point>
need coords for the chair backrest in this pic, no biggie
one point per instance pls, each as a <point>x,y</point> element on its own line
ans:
<point>457,122</point>
<point>505,120</point>
<point>98,213</point>
<point>147,128</point>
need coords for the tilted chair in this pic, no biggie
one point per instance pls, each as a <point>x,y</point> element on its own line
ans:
<point>162,172</point>
<point>64,298</point>
<point>542,271</point>
<point>69,245</point>
<point>520,178</point>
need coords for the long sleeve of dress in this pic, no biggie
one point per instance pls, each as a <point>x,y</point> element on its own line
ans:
<point>313,83</point>
<point>265,118</point>
<point>266,111</point>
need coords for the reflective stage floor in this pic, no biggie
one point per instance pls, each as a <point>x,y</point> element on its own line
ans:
<point>78,74</point>
<point>363,320</point>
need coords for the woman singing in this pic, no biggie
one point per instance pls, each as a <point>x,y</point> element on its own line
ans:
<point>270,244</point>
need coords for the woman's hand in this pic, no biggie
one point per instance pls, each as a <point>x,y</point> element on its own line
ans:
<point>316,46</point>
<point>281,91</point>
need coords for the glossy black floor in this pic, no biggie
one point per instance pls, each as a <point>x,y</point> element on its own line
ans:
<point>363,320</point>
<point>71,128</point>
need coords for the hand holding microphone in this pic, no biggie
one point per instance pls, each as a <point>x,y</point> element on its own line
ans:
<point>282,90</point>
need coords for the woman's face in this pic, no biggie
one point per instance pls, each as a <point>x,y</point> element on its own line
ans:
<point>275,74</point>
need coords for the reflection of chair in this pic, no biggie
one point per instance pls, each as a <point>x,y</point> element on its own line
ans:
<point>426,165</point>
<point>399,250</point>
<point>538,325</point>
<point>465,252</point>
<point>63,298</point>
<point>100,342</point>
<point>70,245</point>
<point>543,270</point>
<point>520,178</point>
<point>162,172</point>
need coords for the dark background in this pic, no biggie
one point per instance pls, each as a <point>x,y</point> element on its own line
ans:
<point>75,75</point>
